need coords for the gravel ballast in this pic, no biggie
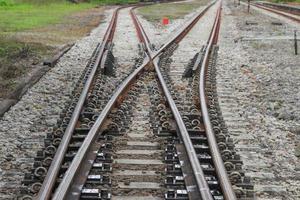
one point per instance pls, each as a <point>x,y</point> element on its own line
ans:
<point>192,43</point>
<point>189,46</point>
<point>258,89</point>
<point>125,41</point>
<point>24,126</point>
<point>159,34</point>
<point>257,84</point>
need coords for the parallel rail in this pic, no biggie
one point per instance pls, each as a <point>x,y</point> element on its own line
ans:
<point>50,179</point>
<point>199,175</point>
<point>285,14</point>
<point>217,158</point>
<point>63,189</point>
<point>198,172</point>
<point>283,7</point>
<point>72,184</point>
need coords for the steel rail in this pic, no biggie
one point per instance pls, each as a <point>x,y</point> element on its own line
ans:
<point>62,190</point>
<point>282,7</point>
<point>53,171</point>
<point>143,38</point>
<point>273,10</point>
<point>177,37</point>
<point>192,155</point>
<point>184,30</point>
<point>225,183</point>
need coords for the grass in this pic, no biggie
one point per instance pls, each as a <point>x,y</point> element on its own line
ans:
<point>260,45</point>
<point>16,49</point>
<point>156,12</point>
<point>18,55</point>
<point>15,61</point>
<point>112,2</point>
<point>22,16</point>
<point>29,27</point>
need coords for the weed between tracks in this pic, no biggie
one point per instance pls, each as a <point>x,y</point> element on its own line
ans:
<point>16,60</point>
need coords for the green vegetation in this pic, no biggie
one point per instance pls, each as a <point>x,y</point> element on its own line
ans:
<point>13,2</point>
<point>173,11</point>
<point>111,2</point>
<point>29,27</point>
<point>11,49</point>
<point>14,57</point>
<point>18,15</point>
<point>17,56</point>
<point>260,45</point>
<point>22,16</point>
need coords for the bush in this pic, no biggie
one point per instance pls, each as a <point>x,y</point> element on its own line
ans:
<point>10,70</point>
<point>22,52</point>
<point>2,51</point>
<point>5,3</point>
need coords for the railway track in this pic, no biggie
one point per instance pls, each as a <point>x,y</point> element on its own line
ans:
<point>284,7</point>
<point>80,115</point>
<point>292,15</point>
<point>132,143</point>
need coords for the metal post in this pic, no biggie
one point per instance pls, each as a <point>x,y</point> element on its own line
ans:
<point>295,44</point>
<point>248,6</point>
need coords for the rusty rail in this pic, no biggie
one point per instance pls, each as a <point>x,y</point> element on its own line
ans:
<point>143,38</point>
<point>184,30</point>
<point>50,179</point>
<point>62,191</point>
<point>221,171</point>
<point>282,7</point>
<point>278,12</point>
<point>217,159</point>
<point>192,155</point>
<point>198,172</point>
